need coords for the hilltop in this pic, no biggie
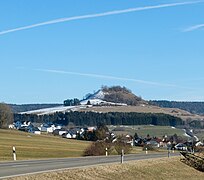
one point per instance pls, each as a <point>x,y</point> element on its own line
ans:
<point>114,95</point>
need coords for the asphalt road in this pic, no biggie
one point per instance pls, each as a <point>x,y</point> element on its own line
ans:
<point>18,168</point>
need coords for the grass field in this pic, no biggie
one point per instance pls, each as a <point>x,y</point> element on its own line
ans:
<point>143,130</point>
<point>145,109</point>
<point>31,146</point>
<point>163,168</point>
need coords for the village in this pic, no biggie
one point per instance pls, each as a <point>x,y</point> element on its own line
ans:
<point>165,142</point>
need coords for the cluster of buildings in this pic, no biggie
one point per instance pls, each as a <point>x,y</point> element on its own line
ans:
<point>169,142</point>
<point>79,132</point>
<point>55,129</point>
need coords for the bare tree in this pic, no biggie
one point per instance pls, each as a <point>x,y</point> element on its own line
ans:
<point>6,115</point>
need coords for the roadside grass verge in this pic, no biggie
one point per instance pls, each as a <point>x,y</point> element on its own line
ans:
<point>161,168</point>
<point>31,146</point>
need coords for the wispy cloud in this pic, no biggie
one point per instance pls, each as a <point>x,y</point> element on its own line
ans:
<point>193,28</point>
<point>112,78</point>
<point>98,15</point>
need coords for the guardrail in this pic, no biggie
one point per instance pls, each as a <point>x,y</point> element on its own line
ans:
<point>193,160</point>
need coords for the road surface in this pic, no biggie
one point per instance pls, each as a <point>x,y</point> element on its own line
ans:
<point>18,168</point>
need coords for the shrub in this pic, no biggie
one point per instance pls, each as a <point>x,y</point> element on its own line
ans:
<point>121,145</point>
<point>98,148</point>
<point>149,147</point>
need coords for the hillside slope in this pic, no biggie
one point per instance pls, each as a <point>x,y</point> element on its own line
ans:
<point>31,146</point>
<point>184,115</point>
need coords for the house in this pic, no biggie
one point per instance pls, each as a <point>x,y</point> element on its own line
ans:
<point>139,141</point>
<point>11,126</point>
<point>153,143</point>
<point>181,146</point>
<point>91,129</point>
<point>26,123</point>
<point>47,128</point>
<point>59,132</point>
<point>69,136</point>
<point>57,126</point>
<point>34,130</point>
<point>18,124</point>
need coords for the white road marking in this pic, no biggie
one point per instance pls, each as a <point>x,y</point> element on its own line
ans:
<point>19,166</point>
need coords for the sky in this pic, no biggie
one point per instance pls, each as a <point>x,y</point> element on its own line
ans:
<point>53,50</point>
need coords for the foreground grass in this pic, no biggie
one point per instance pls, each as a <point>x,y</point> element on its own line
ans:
<point>162,168</point>
<point>31,146</point>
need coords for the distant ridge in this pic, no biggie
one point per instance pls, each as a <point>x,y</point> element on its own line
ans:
<point>16,108</point>
<point>192,107</point>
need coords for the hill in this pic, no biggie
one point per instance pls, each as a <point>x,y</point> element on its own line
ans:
<point>114,95</point>
<point>116,99</point>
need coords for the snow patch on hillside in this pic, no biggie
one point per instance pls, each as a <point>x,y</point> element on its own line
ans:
<point>98,95</point>
<point>95,99</point>
<point>53,110</point>
<point>92,101</point>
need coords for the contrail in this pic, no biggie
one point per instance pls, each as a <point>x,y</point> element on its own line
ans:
<point>97,15</point>
<point>193,28</point>
<point>111,77</point>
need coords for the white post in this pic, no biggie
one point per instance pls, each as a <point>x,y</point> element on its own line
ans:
<point>146,151</point>
<point>14,153</point>
<point>106,151</point>
<point>168,152</point>
<point>122,156</point>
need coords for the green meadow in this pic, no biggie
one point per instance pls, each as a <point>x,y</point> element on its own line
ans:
<point>31,146</point>
<point>143,130</point>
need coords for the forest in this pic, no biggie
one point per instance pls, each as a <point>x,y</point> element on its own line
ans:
<point>193,107</point>
<point>111,118</point>
<point>16,108</point>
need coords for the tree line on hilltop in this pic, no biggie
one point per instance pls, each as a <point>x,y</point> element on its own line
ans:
<point>118,94</point>
<point>16,108</point>
<point>193,107</point>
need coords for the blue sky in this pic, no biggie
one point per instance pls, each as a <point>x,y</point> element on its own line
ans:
<point>153,47</point>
